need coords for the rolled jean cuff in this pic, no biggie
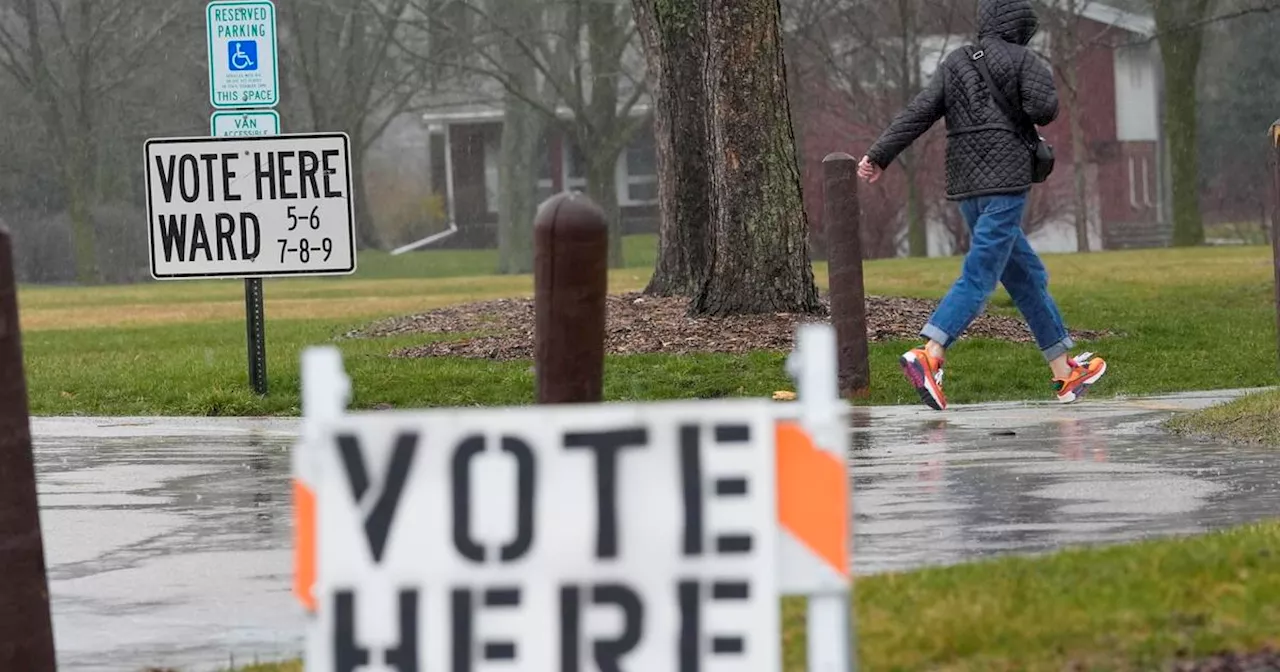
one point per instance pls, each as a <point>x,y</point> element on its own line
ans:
<point>933,333</point>
<point>1058,349</point>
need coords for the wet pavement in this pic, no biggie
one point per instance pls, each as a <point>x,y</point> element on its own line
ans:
<point>167,542</point>
<point>169,539</point>
<point>936,489</point>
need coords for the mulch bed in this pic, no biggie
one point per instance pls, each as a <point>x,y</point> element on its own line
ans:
<point>1265,660</point>
<point>635,324</point>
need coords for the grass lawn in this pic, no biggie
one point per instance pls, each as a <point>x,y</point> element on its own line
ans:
<point>1118,608</point>
<point>1186,318</point>
<point>1252,419</point>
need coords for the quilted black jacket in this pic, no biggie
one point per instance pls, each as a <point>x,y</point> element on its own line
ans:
<point>985,155</point>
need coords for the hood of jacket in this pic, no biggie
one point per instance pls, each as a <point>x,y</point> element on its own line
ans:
<point>1013,21</point>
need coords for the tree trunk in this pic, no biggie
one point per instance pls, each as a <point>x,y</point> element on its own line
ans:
<point>1180,43</point>
<point>1078,159</point>
<point>522,129</point>
<point>917,231</point>
<point>366,231</point>
<point>83,189</point>
<point>518,186</point>
<point>79,210</point>
<point>675,42</point>
<point>760,260</point>
<point>602,187</point>
<point>1180,124</point>
<point>607,39</point>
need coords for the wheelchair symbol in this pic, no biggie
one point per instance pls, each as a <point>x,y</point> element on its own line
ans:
<point>242,55</point>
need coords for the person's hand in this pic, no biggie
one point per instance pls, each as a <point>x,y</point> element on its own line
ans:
<point>869,171</point>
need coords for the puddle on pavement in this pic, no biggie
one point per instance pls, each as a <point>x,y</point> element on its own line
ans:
<point>931,491</point>
<point>167,549</point>
<point>169,540</point>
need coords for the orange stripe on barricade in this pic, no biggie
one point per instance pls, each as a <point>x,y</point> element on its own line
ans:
<point>813,496</point>
<point>304,546</point>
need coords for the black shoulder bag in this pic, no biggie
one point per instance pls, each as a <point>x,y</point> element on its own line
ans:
<point>1042,158</point>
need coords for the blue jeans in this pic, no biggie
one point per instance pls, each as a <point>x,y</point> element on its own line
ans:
<point>1000,252</point>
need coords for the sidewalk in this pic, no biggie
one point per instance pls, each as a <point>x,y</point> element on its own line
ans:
<point>168,539</point>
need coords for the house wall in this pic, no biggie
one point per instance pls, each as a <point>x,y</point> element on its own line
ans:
<point>475,152</point>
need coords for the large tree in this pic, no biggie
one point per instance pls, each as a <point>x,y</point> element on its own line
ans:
<point>523,126</point>
<point>675,46</point>
<point>757,242</point>
<point>1180,25</point>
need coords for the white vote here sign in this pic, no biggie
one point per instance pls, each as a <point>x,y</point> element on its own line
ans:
<point>547,539</point>
<point>250,207</point>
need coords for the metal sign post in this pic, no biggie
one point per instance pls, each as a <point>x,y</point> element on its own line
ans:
<point>256,334</point>
<point>244,73</point>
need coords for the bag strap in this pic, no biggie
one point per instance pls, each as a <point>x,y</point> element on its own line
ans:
<point>1018,117</point>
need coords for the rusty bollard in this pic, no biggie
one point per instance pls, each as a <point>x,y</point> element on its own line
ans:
<point>26,628</point>
<point>842,220</point>
<point>571,281</point>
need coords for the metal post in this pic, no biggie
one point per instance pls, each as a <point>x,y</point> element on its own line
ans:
<point>832,644</point>
<point>842,215</point>
<point>256,333</point>
<point>26,628</point>
<point>1275,219</point>
<point>571,281</point>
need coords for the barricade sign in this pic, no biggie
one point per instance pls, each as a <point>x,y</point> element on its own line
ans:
<point>562,539</point>
<point>250,206</point>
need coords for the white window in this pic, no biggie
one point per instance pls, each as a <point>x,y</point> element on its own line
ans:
<point>638,171</point>
<point>933,49</point>
<point>1137,116</point>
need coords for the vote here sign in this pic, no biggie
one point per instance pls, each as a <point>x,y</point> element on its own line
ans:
<point>250,206</point>
<point>568,539</point>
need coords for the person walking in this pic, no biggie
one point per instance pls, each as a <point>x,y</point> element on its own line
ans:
<point>993,95</point>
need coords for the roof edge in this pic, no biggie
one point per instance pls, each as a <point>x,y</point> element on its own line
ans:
<point>1125,20</point>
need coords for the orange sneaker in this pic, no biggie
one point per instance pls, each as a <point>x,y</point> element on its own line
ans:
<point>925,373</point>
<point>1085,371</point>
